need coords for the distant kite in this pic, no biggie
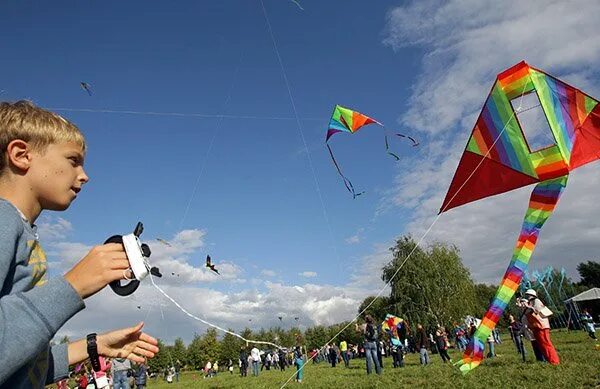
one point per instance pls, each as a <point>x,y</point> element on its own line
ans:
<point>86,87</point>
<point>298,4</point>
<point>347,120</point>
<point>164,242</point>
<point>210,265</point>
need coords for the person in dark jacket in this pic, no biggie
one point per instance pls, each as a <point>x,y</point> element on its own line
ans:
<point>422,344</point>
<point>140,376</point>
<point>243,362</point>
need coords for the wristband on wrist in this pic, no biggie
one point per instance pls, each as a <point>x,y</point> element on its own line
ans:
<point>92,349</point>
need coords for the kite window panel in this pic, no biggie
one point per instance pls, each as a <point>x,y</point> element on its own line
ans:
<point>533,122</point>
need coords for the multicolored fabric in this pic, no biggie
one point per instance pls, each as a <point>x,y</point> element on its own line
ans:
<point>498,158</point>
<point>390,322</point>
<point>347,120</point>
<point>543,200</point>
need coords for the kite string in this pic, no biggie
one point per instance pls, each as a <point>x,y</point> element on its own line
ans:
<point>300,130</point>
<point>206,322</point>
<point>418,243</point>
<point>179,114</point>
<point>212,141</point>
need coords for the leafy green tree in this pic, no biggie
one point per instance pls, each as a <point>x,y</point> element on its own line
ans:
<point>316,337</point>
<point>230,348</point>
<point>432,287</point>
<point>179,352</point>
<point>194,353</point>
<point>160,360</point>
<point>349,334</point>
<point>380,307</point>
<point>209,345</point>
<point>590,274</point>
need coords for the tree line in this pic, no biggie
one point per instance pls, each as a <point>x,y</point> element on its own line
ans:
<point>433,287</point>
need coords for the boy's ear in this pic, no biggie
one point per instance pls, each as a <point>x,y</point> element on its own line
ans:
<point>18,153</point>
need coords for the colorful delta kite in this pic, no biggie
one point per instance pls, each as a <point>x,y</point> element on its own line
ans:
<point>498,159</point>
<point>390,322</point>
<point>346,120</point>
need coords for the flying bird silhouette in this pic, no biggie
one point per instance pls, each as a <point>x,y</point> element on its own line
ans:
<point>210,265</point>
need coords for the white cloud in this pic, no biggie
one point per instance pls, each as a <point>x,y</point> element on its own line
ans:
<point>268,273</point>
<point>53,228</point>
<point>466,43</point>
<point>308,274</point>
<point>354,239</point>
<point>317,304</point>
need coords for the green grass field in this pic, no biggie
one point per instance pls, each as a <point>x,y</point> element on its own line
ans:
<point>579,368</point>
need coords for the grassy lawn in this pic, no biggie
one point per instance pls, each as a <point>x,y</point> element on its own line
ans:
<point>579,368</point>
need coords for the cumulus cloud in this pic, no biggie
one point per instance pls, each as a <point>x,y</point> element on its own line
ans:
<point>53,228</point>
<point>466,43</point>
<point>308,274</point>
<point>315,305</point>
<point>268,273</point>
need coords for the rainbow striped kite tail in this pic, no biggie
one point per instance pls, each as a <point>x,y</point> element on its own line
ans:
<point>472,357</point>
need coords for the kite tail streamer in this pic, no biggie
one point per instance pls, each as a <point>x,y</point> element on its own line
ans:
<point>387,147</point>
<point>543,200</point>
<point>562,278</point>
<point>347,182</point>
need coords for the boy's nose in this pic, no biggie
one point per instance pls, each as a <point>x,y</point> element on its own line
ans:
<point>83,177</point>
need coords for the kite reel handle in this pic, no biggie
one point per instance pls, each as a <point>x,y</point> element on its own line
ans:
<point>116,286</point>
<point>137,253</point>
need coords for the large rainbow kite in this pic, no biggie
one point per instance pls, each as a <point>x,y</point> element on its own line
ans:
<point>498,159</point>
<point>347,120</point>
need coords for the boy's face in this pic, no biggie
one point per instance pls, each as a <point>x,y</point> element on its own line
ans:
<point>57,175</point>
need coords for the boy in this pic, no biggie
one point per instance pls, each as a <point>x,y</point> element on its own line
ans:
<point>41,167</point>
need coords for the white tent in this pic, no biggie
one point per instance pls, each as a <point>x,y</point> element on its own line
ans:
<point>572,304</point>
<point>590,294</point>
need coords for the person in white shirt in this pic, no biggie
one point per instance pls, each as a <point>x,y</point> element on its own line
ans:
<point>255,355</point>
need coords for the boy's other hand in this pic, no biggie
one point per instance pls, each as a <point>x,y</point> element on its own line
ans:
<point>130,343</point>
<point>102,265</point>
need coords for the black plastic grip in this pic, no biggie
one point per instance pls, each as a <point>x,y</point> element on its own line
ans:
<point>131,286</point>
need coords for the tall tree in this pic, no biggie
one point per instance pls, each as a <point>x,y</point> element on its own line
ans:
<point>590,274</point>
<point>378,309</point>
<point>210,346</point>
<point>316,337</point>
<point>194,353</point>
<point>179,352</point>
<point>230,348</point>
<point>432,286</point>
<point>160,360</point>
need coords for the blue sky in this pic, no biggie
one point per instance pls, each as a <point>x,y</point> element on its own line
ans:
<point>256,198</point>
<point>421,67</point>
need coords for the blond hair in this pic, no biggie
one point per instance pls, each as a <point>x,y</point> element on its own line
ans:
<point>34,125</point>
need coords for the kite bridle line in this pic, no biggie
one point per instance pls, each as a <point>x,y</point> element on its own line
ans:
<point>422,237</point>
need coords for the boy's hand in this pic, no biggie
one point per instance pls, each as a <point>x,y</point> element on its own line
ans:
<point>130,343</point>
<point>102,265</point>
